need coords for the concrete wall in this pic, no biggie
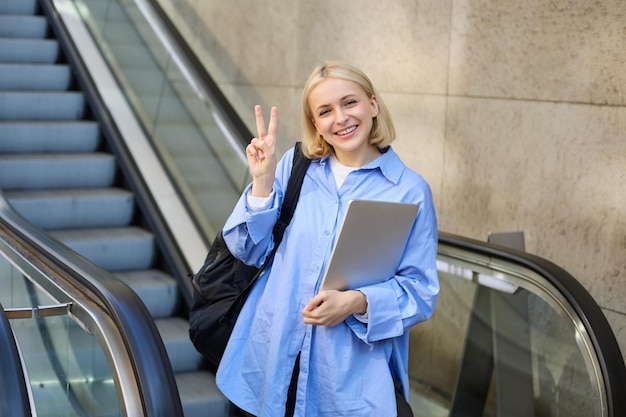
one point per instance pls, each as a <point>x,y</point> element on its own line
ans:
<point>514,111</point>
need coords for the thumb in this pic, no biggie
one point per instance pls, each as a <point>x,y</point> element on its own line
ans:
<point>314,303</point>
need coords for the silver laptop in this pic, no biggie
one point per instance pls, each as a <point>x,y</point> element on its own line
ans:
<point>370,243</point>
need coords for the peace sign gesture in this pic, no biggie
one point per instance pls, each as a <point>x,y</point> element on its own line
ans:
<point>261,154</point>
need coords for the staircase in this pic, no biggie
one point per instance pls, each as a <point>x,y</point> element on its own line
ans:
<point>57,171</point>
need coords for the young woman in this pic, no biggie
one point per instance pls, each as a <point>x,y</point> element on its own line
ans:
<point>299,351</point>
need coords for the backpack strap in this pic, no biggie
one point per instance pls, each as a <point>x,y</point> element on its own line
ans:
<point>292,194</point>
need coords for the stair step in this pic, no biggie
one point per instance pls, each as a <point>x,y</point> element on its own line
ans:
<point>20,26</point>
<point>26,105</point>
<point>200,395</point>
<point>157,290</point>
<point>75,208</point>
<point>46,171</point>
<point>18,6</point>
<point>36,51</point>
<point>35,77</point>
<point>42,136</point>
<point>113,249</point>
<point>175,334</point>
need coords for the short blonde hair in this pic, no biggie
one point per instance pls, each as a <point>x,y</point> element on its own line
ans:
<point>313,145</point>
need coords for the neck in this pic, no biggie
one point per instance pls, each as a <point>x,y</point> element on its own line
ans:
<point>356,160</point>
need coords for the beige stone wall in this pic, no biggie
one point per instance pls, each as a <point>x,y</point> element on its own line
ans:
<point>514,111</point>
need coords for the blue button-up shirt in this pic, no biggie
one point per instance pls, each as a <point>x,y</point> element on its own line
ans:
<point>346,370</point>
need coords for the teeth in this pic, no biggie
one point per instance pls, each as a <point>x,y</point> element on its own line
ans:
<point>346,131</point>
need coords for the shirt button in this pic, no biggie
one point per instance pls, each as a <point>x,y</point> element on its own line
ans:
<point>326,232</point>
<point>316,266</point>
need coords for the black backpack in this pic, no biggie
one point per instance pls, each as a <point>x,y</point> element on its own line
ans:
<point>223,283</point>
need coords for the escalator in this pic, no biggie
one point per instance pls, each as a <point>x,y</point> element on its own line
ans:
<point>87,345</point>
<point>60,170</point>
<point>513,335</point>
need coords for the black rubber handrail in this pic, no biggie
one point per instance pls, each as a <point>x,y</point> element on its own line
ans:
<point>14,398</point>
<point>602,337</point>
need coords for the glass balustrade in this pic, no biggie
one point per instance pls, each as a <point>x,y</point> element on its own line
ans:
<point>66,366</point>
<point>503,341</point>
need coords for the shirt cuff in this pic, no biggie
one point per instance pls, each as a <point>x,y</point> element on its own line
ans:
<point>363,318</point>
<point>256,204</point>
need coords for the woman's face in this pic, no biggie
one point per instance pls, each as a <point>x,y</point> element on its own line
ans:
<point>343,116</point>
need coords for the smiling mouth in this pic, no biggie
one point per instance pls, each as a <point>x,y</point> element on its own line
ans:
<point>346,131</point>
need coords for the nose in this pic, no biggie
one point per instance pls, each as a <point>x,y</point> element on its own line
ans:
<point>341,116</point>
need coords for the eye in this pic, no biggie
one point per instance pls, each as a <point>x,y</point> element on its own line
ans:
<point>351,102</point>
<point>323,112</point>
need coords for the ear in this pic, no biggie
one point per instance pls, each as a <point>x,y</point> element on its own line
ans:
<point>374,104</point>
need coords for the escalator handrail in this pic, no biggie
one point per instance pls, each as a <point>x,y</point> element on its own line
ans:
<point>147,354</point>
<point>597,326</point>
<point>14,394</point>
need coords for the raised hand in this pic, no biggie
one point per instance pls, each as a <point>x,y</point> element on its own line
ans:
<point>261,153</point>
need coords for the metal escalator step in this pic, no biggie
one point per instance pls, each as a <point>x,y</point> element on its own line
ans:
<point>175,334</point>
<point>28,105</point>
<point>44,51</point>
<point>46,171</point>
<point>18,6</point>
<point>113,249</point>
<point>157,290</point>
<point>200,396</point>
<point>40,137</point>
<point>34,77</point>
<point>74,208</point>
<point>23,26</point>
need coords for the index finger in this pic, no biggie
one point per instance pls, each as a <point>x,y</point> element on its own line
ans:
<point>260,123</point>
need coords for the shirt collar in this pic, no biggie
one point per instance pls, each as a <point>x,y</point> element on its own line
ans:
<point>388,162</point>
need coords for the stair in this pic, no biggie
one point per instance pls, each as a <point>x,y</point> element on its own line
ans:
<point>57,171</point>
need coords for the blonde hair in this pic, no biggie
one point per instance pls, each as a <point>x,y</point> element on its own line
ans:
<point>313,145</point>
